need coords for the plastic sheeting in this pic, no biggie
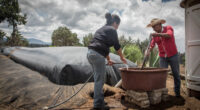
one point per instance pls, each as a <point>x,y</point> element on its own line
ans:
<point>24,89</point>
<point>64,65</point>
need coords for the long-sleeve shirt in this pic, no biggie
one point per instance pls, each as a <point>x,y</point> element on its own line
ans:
<point>166,46</point>
<point>104,38</point>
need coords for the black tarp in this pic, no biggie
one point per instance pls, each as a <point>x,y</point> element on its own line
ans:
<point>24,89</point>
<point>63,65</point>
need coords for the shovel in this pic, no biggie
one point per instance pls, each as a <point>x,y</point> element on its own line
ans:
<point>119,84</point>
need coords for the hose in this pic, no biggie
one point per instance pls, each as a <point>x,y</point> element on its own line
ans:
<point>53,106</point>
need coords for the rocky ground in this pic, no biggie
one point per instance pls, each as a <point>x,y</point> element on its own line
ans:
<point>22,88</point>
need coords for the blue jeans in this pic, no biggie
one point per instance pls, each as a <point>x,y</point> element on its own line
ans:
<point>174,64</point>
<point>98,64</point>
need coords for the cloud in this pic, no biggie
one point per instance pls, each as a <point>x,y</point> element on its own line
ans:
<point>134,20</point>
<point>86,16</point>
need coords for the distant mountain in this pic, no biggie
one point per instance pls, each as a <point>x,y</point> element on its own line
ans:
<point>37,42</point>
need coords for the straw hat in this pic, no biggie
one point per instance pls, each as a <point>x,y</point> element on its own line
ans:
<point>156,21</point>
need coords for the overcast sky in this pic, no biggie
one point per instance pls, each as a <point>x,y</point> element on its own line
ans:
<point>86,16</point>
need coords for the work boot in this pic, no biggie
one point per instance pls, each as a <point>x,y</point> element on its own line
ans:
<point>178,95</point>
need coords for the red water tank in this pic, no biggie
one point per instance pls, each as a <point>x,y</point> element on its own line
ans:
<point>147,79</point>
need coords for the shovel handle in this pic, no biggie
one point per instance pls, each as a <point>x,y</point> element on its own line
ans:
<point>145,58</point>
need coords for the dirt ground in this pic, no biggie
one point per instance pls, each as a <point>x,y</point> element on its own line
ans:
<point>116,100</point>
<point>113,96</point>
<point>182,69</point>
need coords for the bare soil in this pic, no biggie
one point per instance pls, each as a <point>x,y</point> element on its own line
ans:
<point>117,102</point>
<point>30,95</point>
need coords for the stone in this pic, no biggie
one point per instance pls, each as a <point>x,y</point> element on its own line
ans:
<point>165,97</point>
<point>138,98</point>
<point>142,104</point>
<point>165,91</point>
<point>144,99</point>
<point>155,100</point>
<point>137,95</point>
<point>156,96</point>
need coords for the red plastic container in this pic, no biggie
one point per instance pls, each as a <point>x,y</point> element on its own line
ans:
<point>147,79</point>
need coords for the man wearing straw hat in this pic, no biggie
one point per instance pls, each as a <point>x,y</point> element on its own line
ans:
<point>164,38</point>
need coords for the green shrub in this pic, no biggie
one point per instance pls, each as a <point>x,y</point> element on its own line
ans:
<point>133,53</point>
<point>112,50</point>
<point>154,58</point>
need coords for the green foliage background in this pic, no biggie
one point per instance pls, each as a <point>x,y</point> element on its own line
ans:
<point>133,53</point>
<point>11,13</point>
<point>64,37</point>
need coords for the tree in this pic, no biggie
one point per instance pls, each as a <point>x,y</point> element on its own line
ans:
<point>87,39</point>
<point>19,40</point>
<point>124,41</point>
<point>64,37</point>
<point>2,34</point>
<point>11,12</point>
<point>142,44</point>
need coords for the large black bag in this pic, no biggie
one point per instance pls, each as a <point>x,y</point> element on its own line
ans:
<point>64,65</point>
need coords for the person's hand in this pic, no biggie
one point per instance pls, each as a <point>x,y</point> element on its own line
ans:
<point>153,34</point>
<point>110,62</point>
<point>123,60</point>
